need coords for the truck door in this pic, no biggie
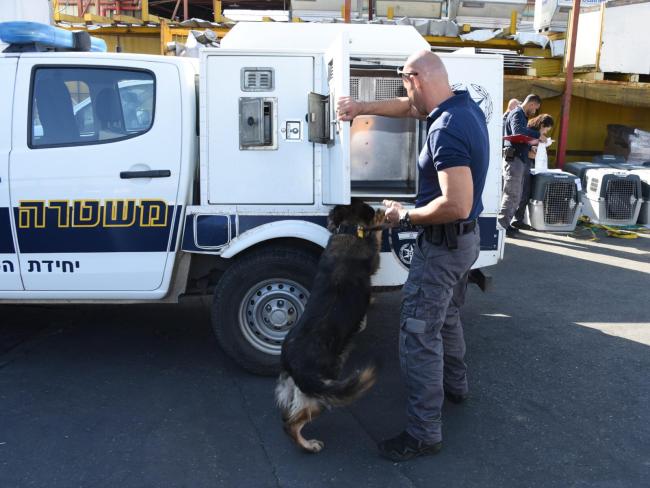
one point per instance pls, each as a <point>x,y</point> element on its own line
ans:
<point>336,160</point>
<point>256,139</point>
<point>94,173</point>
<point>9,269</point>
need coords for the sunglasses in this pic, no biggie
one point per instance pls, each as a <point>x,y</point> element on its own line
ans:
<point>402,73</point>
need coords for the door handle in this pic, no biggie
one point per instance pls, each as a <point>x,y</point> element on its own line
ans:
<point>152,173</point>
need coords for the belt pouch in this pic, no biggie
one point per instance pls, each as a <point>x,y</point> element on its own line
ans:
<point>451,236</point>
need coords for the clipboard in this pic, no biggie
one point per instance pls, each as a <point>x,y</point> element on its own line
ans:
<point>521,139</point>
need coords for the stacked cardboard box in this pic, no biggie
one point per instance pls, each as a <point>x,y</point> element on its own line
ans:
<point>631,143</point>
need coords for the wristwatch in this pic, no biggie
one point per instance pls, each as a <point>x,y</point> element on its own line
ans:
<point>405,221</point>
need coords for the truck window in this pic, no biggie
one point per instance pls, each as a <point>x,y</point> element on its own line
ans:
<point>79,106</point>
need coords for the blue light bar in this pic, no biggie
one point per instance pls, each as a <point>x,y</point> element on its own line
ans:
<point>18,33</point>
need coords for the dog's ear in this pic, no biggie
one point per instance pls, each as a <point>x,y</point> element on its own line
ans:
<point>367,213</point>
<point>361,212</point>
<point>336,217</point>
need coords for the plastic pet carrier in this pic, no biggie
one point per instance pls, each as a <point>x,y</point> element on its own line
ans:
<point>608,159</point>
<point>611,196</point>
<point>555,201</point>
<point>580,169</point>
<point>643,172</point>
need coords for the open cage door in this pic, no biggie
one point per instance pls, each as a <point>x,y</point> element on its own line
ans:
<point>336,160</point>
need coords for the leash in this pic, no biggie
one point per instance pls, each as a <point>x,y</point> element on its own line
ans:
<point>359,230</point>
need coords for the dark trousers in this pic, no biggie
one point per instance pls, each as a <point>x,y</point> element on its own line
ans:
<point>431,343</point>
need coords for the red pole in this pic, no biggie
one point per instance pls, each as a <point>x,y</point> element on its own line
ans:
<point>566,101</point>
<point>346,11</point>
<point>185,10</point>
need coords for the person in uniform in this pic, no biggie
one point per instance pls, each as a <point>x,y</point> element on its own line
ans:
<point>516,165</point>
<point>452,169</point>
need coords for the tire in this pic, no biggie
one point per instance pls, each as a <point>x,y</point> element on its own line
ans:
<point>257,301</point>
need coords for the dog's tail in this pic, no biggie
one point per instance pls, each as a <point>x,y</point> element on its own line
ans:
<point>337,393</point>
<point>293,399</point>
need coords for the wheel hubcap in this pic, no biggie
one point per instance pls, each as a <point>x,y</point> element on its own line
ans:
<point>269,310</point>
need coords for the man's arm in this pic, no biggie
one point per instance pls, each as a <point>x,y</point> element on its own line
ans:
<point>456,200</point>
<point>348,108</point>
<point>518,125</point>
<point>454,204</point>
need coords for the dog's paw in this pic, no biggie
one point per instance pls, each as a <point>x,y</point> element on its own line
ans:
<point>314,446</point>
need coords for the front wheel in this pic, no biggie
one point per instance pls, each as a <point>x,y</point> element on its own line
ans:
<point>257,301</point>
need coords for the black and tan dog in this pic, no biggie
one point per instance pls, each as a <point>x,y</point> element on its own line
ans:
<point>315,350</point>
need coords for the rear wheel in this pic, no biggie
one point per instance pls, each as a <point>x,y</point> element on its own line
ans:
<point>257,301</point>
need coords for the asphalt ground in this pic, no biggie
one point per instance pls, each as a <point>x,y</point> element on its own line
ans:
<point>141,396</point>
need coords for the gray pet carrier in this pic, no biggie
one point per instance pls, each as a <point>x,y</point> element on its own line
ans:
<point>554,203</point>
<point>643,172</point>
<point>580,169</point>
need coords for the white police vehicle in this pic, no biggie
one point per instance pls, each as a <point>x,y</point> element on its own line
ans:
<point>132,178</point>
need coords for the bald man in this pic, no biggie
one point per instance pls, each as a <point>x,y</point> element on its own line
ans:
<point>452,170</point>
<point>513,103</point>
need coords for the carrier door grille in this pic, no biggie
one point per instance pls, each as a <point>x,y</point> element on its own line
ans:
<point>387,88</point>
<point>371,89</point>
<point>620,199</point>
<point>354,88</point>
<point>560,202</point>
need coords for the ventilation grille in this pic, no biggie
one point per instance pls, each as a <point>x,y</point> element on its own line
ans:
<point>386,88</point>
<point>560,203</point>
<point>593,185</point>
<point>620,199</point>
<point>354,88</point>
<point>257,79</point>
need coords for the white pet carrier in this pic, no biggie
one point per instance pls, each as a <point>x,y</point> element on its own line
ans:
<point>554,203</point>
<point>611,196</point>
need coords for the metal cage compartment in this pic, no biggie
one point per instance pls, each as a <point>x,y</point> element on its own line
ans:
<point>555,202</point>
<point>383,150</point>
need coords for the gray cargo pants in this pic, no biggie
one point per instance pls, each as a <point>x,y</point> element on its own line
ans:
<point>514,173</point>
<point>431,343</point>
<point>526,181</point>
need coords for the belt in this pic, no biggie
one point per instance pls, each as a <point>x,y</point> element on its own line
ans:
<point>460,227</point>
<point>437,233</point>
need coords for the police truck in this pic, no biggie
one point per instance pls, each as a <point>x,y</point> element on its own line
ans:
<point>131,178</point>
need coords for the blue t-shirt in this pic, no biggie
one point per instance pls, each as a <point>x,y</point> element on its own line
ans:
<point>457,136</point>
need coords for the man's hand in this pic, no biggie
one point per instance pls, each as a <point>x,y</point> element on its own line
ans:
<point>347,108</point>
<point>394,212</point>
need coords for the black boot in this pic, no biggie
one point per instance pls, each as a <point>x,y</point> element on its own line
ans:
<point>405,447</point>
<point>456,398</point>
<point>512,232</point>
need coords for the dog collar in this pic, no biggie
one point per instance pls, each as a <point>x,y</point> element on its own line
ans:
<point>354,230</point>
